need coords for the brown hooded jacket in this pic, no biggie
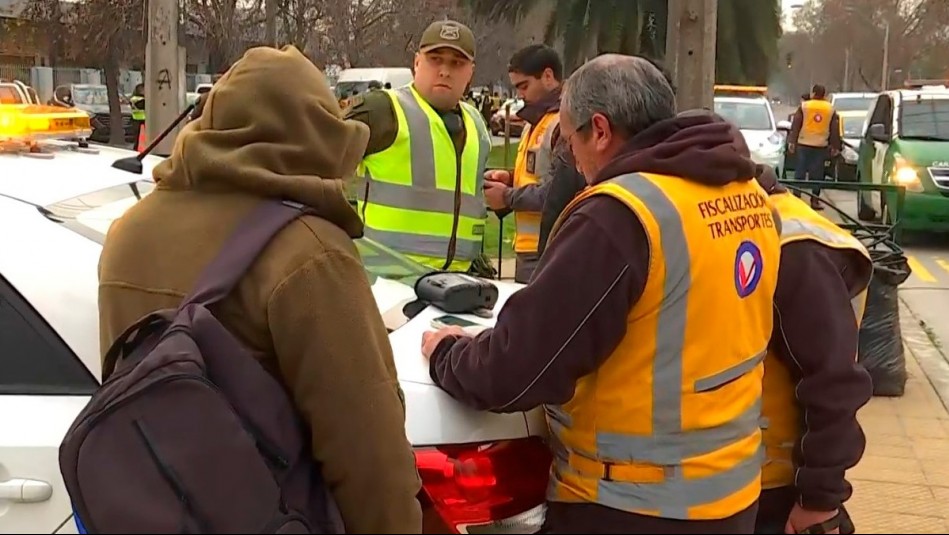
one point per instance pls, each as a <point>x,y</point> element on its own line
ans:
<point>306,303</point>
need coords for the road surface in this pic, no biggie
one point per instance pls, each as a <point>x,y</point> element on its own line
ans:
<point>926,291</point>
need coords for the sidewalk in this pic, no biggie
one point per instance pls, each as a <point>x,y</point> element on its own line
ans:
<point>902,483</point>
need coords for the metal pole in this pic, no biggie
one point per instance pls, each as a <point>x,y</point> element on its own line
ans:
<point>690,50</point>
<point>163,73</point>
<point>886,57</point>
<point>846,85</point>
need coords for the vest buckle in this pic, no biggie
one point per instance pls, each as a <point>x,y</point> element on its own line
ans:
<point>607,472</point>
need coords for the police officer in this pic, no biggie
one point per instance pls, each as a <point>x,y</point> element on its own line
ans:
<point>536,73</point>
<point>137,100</point>
<point>814,137</point>
<point>421,190</point>
<point>654,414</point>
<point>813,386</point>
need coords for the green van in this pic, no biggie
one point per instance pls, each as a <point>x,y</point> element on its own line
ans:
<point>906,141</point>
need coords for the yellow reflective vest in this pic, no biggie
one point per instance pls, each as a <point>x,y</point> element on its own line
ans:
<point>534,155</point>
<point>782,421</point>
<point>668,426</point>
<point>815,129</point>
<point>414,187</point>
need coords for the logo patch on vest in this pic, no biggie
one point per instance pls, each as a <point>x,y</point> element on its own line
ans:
<point>531,161</point>
<point>748,267</point>
<point>818,118</point>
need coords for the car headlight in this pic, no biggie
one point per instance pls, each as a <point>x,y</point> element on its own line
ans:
<point>905,175</point>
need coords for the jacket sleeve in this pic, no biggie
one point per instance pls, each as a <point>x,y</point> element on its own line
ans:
<point>564,184</point>
<point>834,140</point>
<point>561,326</point>
<point>335,358</point>
<point>812,297</point>
<point>374,109</point>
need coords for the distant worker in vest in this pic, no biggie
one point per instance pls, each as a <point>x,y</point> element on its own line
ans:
<point>421,181</point>
<point>137,100</point>
<point>654,414</point>
<point>813,385</point>
<point>536,73</point>
<point>814,138</point>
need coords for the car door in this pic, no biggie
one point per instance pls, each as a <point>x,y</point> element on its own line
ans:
<point>882,115</point>
<point>43,386</point>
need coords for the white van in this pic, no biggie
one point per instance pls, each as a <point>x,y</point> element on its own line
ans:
<point>358,79</point>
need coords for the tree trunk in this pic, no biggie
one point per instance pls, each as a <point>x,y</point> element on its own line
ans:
<point>116,127</point>
<point>270,10</point>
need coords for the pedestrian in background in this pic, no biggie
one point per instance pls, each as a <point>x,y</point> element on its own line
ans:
<point>814,138</point>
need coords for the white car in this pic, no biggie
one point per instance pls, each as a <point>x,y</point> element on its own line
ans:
<point>754,117</point>
<point>55,212</point>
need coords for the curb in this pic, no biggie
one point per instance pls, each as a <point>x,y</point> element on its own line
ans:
<point>931,359</point>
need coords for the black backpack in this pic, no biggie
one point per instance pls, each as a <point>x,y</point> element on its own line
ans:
<point>188,432</point>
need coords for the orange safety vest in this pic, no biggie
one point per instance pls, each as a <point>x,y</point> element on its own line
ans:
<point>815,129</point>
<point>534,154</point>
<point>782,421</point>
<point>668,425</point>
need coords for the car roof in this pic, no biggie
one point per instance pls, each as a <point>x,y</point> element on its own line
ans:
<point>748,100</point>
<point>854,95</point>
<point>67,174</point>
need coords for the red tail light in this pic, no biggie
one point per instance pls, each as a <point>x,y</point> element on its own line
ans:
<point>485,488</point>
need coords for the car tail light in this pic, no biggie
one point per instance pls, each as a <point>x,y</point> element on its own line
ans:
<point>485,488</point>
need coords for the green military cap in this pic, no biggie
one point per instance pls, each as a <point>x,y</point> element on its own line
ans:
<point>448,34</point>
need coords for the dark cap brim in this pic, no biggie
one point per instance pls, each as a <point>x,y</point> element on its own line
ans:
<point>436,46</point>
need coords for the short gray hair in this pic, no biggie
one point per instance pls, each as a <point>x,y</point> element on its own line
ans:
<point>630,91</point>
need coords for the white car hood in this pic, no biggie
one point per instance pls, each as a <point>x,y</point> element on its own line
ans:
<point>756,139</point>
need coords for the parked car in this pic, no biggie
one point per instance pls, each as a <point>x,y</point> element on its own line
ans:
<point>482,472</point>
<point>754,117</point>
<point>499,118</point>
<point>93,99</point>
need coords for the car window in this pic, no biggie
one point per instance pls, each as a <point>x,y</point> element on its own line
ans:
<point>881,114</point>
<point>745,115</point>
<point>95,95</point>
<point>92,214</point>
<point>844,104</point>
<point>9,95</point>
<point>853,125</point>
<point>925,119</point>
<point>35,361</point>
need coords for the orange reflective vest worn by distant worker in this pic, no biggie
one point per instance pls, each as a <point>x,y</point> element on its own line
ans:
<point>815,127</point>
<point>533,160</point>
<point>781,414</point>
<point>668,425</point>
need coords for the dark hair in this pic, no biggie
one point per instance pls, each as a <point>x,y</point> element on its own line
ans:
<point>665,72</point>
<point>819,91</point>
<point>533,60</point>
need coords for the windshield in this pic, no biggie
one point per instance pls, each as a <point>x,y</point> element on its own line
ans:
<point>925,119</point>
<point>853,126</point>
<point>10,95</point>
<point>745,115</point>
<point>92,214</point>
<point>93,95</point>
<point>853,103</point>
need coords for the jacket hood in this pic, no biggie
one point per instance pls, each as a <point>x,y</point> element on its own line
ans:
<point>696,145</point>
<point>259,136</point>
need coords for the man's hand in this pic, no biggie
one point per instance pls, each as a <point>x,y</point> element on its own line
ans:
<point>431,339</point>
<point>791,148</point>
<point>494,195</point>
<point>801,519</point>
<point>499,175</point>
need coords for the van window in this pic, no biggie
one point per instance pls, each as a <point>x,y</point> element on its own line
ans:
<point>925,119</point>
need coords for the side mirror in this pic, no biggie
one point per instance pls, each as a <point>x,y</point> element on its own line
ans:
<point>784,126</point>
<point>877,132</point>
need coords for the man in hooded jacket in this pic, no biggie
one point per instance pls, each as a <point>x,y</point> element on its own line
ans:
<point>305,305</point>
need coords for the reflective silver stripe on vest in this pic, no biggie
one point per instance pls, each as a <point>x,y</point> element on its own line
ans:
<point>795,228</point>
<point>669,444</point>
<point>421,199</point>
<point>418,244</point>
<point>544,153</point>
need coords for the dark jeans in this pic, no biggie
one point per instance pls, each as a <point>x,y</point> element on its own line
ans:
<point>596,519</point>
<point>810,164</point>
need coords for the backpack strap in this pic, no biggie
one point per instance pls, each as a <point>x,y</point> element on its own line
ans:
<point>241,249</point>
